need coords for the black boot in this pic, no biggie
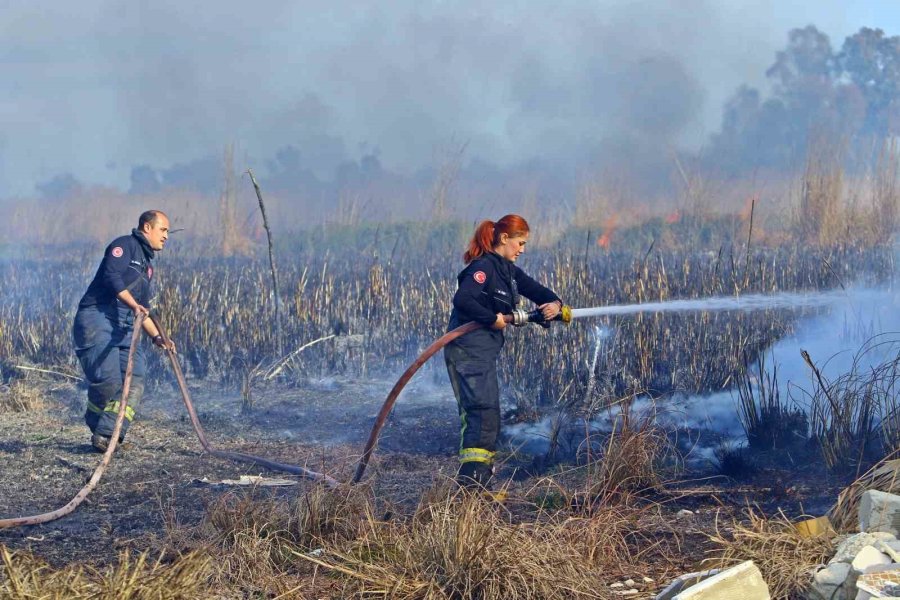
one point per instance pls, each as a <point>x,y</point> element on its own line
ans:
<point>474,474</point>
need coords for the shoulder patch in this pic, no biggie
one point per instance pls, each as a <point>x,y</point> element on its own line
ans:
<point>117,252</point>
<point>479,276</point>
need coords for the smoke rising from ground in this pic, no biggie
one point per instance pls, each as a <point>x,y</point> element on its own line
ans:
<point>833,339</point>
<point>97,90</point>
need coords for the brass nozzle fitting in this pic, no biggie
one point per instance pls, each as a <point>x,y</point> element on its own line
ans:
<point>565,314</point>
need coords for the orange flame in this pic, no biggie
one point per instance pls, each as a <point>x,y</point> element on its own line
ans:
<point>674,217</point>
<point>609,227</point>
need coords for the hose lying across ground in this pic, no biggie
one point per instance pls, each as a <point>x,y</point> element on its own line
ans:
<point>107,456</point>
<point>398,387</point>
<point>228,454</point>
<point>195,421</point>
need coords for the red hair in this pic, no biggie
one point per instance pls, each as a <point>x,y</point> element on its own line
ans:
<point>487,235</point>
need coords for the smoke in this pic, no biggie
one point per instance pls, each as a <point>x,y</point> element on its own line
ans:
<point>97,90</point>
<point>854,319</point>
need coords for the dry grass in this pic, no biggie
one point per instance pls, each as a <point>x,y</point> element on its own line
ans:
<point>884,476</point>
<point>769,421</point>
<point>252,538</point>
<point>785,559</point>
<point>21,396</point>
<point>134,577</point>
<point>456,544</point>
<point>466,547</point>
<point>629,461</point>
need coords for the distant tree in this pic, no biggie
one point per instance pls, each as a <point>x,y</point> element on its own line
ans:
<point>286,172</point>
<point>871,61</point>
<point>203,175</point>
<point>144,180</point>
<point>851,98</point>
<point>59,187</point>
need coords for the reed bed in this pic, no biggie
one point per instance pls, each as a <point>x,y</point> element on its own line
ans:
<point>390,300</point>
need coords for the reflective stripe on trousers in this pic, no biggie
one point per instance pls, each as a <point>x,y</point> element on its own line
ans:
<point>477,393</point>
<point>102,336</point>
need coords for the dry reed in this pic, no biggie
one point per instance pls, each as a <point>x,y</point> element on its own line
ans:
<point>786,559</point>
<point>135,577</point>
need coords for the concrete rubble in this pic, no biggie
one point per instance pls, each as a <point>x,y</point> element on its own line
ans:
<point>867,564</point>
<point>742,581</point>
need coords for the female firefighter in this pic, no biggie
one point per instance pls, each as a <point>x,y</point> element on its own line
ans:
<point>488,288</point>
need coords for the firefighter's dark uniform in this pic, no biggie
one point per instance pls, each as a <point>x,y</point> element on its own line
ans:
<point>489,285</point>
<point>103,328</point>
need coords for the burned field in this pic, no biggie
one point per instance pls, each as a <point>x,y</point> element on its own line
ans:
<point>598,471</point>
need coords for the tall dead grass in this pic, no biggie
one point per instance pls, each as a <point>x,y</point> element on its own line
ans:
<point>835,209</point>
<point>135,577</point>
<point>629,461</point>
<point>253,539</point>
<point>467,547</point>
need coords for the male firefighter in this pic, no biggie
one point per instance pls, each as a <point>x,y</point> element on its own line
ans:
<point>104,323</point>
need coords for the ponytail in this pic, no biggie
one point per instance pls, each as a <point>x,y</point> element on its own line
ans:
<point>487,235</point>
<point>481,243</point>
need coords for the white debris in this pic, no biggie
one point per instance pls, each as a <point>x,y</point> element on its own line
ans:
<point>850,547</point>
<point>869,557</point>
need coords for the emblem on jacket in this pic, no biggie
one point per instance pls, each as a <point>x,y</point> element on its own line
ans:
<point>479,276</point>
<point>117,252</point>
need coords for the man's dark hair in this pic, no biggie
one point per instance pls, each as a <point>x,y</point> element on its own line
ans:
<point>149,216</point>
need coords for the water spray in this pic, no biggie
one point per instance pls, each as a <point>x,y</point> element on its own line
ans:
<point>520,317</point>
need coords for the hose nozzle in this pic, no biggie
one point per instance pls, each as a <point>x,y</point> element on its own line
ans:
<point>521,317</point>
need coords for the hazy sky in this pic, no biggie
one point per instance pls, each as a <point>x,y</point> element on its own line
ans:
<point>94,87</point>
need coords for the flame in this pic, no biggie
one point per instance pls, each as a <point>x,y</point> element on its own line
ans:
<point>609,227</point>
<point>673,217</point>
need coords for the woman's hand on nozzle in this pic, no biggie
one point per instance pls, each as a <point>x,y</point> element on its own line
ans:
<point>550,310</point>
<point>500,323</point>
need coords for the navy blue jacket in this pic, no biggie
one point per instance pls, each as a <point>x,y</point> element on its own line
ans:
<point>127,264</point>
<point>491,284</point>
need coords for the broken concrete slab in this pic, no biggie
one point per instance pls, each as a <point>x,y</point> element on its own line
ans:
<point>684,581</point>
<point>850,546</point>
<point>879,512</point>
<point>740,581</point>
<point>869,557</point>
<point>830,582</point>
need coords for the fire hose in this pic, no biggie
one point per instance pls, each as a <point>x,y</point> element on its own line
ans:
<point>518,317</point>
<point>107,456</point>
<point>195,422</point>
<point>228,454</point>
